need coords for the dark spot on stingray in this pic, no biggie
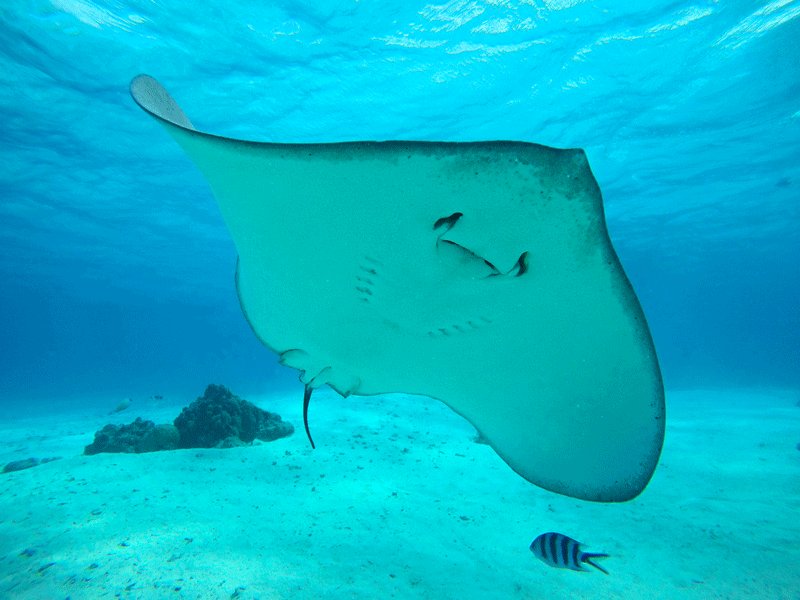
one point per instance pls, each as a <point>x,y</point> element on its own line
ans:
<point>522,264</point>
<point>449,221</point>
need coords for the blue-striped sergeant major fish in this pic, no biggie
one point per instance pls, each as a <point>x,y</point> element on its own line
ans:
<point>560,551</point>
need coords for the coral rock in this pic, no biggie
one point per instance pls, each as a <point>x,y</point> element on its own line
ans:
<point>140,436</point>
<point>216,417</point>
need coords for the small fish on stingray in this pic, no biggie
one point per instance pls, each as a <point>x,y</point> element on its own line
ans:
<point>562,552</point>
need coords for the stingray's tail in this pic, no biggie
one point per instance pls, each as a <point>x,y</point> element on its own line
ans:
<point>306,400</point>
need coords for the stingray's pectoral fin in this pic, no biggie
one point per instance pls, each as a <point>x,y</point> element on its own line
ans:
<point>152,97</point>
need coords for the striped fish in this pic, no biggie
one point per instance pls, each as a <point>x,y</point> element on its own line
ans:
<point>558,550</point>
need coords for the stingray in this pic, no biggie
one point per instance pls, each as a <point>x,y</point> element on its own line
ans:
<point>480,274</point>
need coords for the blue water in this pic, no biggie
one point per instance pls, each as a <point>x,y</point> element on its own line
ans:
<point>117,281</point>
<point>117,271</point>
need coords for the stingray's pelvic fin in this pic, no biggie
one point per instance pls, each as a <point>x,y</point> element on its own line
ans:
<point>306,400</point>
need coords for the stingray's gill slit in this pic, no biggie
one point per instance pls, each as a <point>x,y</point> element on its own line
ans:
<point>366,276</point>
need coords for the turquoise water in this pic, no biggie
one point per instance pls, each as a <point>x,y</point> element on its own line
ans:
<point>117,270</point>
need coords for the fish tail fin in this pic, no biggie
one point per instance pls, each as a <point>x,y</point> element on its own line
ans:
<point>588,556</point>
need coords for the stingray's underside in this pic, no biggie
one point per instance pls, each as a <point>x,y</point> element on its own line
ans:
<point>480,274</point>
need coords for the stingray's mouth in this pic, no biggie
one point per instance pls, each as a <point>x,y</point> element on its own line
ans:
<point>455,252</point>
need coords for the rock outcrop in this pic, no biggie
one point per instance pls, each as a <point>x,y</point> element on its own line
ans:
<point>27,463</point>
<point>220,419</point>
<point>140,436</point>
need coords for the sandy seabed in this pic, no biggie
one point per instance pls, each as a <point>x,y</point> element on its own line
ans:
<point>397,501</point>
